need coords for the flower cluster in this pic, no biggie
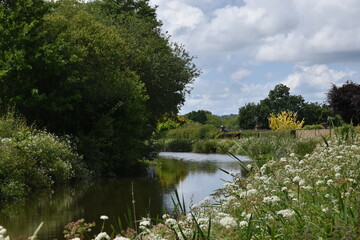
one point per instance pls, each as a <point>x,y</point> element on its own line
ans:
<point>284,197</point>
<point>2,234</point>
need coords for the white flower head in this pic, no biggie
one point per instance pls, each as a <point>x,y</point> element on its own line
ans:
<point>102,236</point>
<point>104,217</point>
<point>243,224</point>
<point>228,222</point>
<point>170,222</point>
<point>145,223</point>
<point>296,179</point>
<point>286,213</point>
<point>121,238</point>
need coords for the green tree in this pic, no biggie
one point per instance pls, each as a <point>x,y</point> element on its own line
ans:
<point>19,21</point>
<point>278,100</point>
<point>199,116</point>
<point>314,113</point>
<point>345,101</point>
<point>248,116</point>
<point>78,84</point>
<point>165,68</point>
<point>100,71</point>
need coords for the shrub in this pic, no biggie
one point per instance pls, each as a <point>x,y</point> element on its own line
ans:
<point>284,121</point>
<point>31,158</point>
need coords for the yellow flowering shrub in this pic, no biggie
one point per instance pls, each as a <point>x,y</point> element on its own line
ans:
<point>285,120</point>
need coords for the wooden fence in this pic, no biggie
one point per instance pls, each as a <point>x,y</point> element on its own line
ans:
<point>317,132</point>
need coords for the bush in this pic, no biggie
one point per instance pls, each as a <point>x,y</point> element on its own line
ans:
<point>284,121</point>
<point>31,158</point>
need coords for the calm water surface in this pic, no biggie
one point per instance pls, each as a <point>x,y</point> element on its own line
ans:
<point>194,175</point>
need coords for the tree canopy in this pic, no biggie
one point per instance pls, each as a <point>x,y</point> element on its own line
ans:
<point>279,99</point>
<point>100,71</point>
<point>345,101</point>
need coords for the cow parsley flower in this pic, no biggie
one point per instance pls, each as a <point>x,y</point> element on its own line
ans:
<point>286,213</point>
<point>121,238</point>
<point>228,222</point>
<point>243,224</point>
<point>271,199</point>
<point>102,236</point>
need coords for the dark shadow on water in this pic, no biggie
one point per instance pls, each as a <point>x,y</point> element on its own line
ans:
<point>113,197</point>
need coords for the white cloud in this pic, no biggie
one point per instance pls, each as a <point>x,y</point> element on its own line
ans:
<point>238,75</point>
<point>231,36</point>
<point>312,82</point>
<point>179,17</point>
<point>327,31</point>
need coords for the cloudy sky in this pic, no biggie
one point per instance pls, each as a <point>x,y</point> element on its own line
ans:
<point>246,47</point>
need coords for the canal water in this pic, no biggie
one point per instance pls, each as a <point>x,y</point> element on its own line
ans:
<point>195,176</point>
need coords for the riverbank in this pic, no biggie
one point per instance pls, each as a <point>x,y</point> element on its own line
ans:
<point>311,197</point>
<point>314,197</point>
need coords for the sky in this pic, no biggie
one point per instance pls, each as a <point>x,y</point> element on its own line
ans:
<point>244,48</point>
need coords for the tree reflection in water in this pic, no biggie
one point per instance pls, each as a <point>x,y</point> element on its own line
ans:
<point>112,197</point>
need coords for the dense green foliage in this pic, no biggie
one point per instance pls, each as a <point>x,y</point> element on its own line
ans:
<point>345,100</point>
<point>31,159</point>
<point>192,131</point>
<point>175,145</point>
<point>200,116</point>
<point>98,71</point>
<point>278,100</point>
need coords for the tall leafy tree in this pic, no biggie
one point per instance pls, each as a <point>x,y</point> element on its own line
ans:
<point>100,71</point>
<point>19,21</point>
<point>248,116</point>
<point>345,101</point>
<point>200,116</point>
<point>165,68</point>
<point>279,99</point>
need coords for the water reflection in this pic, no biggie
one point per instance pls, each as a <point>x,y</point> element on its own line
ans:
<point>194,178</point>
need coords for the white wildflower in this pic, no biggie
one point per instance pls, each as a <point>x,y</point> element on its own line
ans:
<point>243,224</point>
<point>251,192</point>
<point>170,222</point>
<point>104,217</point>
<point>337,168</point>
<point>271,199</point>
<point>121,238</point>
<point>228,222</point>
<point>302,182</point>
<point>165,216</point>
<point>102,235</point>
<point>319,182</point>
<point>286,213</point>
<point>329,182</point>
<point>296,179</point>
<point>145,223</point>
